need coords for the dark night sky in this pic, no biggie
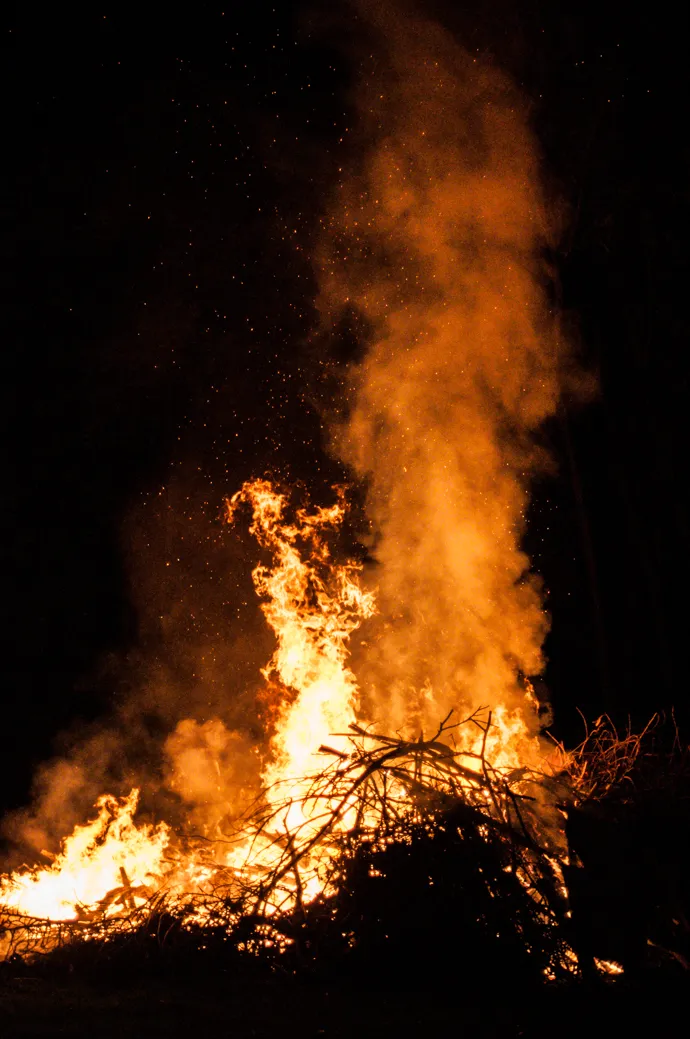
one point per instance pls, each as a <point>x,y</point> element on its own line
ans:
<point>159,184</point>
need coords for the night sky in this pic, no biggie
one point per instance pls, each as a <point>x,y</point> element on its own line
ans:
<point>162,177</point>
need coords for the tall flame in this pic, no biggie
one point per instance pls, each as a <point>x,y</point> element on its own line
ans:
<point>313,607</point>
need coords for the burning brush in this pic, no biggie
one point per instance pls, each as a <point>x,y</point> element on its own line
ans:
<point>370,839</point>
<point>385,799</point>
<point>473,820</point>
<point>284,853</point>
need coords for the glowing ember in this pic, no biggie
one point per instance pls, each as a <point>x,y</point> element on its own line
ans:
<point>608,967</point>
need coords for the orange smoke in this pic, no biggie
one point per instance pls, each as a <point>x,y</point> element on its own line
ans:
<point>434,240</point>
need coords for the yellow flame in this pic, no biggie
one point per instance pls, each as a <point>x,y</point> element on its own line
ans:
<point>107,854</point>
<point>313,606</point>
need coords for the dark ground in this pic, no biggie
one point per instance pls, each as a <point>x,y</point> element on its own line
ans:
<point>31,1007</point>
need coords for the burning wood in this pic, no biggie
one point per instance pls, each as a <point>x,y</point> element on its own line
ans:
<point>492,796</point>
<point>391,792</point>
<point>449,812</point>
<point>480,783</point>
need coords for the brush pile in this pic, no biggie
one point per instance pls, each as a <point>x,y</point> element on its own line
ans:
<point>628,871</point>
<point>427,860</point>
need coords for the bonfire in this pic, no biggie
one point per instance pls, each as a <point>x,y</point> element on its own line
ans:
<point>407,784</point>
<point>340,800</point>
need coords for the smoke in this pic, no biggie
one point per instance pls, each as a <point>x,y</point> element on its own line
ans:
<point>434,243</point>
<point>212,769</point>
<point>63,790</point>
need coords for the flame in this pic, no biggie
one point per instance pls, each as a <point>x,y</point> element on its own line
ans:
<point>313,604</point>
<point>313,607</point>
<point>111,853</point>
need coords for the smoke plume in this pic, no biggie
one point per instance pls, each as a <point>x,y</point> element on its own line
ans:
<point>434,243</point>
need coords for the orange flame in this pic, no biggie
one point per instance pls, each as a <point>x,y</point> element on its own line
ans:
<point>313,608</point>
<point>107,854</point>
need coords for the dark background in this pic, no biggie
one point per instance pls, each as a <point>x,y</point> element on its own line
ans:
<point>160,177</point>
